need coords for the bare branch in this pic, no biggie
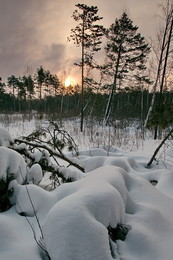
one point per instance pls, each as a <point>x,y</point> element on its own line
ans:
<point>51,152</point>
<point>158,148</point>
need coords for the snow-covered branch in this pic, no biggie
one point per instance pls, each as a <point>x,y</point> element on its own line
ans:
<point>50,151</point>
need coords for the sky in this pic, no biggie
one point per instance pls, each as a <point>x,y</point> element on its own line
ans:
<point>34,33</point>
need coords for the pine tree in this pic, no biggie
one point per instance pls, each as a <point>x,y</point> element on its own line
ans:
<point>29,84</point>
<point>126,51</point>
<point>86,34</point>
<point>40,78</point>
<point>12,82</point>
<point>2,86</point>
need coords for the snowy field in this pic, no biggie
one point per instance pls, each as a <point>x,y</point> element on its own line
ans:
<point>75,221</point>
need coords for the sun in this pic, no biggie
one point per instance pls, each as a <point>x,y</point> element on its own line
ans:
<point>68,82</point>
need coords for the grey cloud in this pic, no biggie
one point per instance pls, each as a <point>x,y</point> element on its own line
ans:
<point>54,51</point>
<point>20,43</point>
<point>54,55</point>
<point>34,32</point>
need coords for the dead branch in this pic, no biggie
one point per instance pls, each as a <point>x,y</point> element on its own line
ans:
<point>51,152</point>
<point>158,148</point>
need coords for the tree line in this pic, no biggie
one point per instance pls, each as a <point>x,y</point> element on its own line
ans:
<point>128,105</point>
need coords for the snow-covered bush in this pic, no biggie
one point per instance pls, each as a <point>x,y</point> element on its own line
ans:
<point>35,174</point>
<point>46,147</point>
<point>5,193</point>
<point>48,143</point>
<point>5,137</point>
<point>12,166</point>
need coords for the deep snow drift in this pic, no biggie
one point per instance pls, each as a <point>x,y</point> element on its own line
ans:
<point>75,217</point>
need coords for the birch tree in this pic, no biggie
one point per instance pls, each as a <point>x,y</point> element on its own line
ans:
<point>166,38</point>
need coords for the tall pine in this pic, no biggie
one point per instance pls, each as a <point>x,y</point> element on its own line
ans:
<point>126,52</point>
<point>87,34</point>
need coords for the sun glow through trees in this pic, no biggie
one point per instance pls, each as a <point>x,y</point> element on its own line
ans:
<point>69,82</point>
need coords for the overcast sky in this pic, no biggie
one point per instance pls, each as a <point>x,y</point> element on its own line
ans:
<point>34,32</point>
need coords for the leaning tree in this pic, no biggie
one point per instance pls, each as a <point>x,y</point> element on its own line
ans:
<point>126,52</point>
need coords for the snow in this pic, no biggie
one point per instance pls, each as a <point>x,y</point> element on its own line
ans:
<point>16,241</point>
<point>75,216</point>
<point>42,200</point>
<point>5,137</point>
<point>35,174</point>
<point>12,163</point>
<point>84,214</point>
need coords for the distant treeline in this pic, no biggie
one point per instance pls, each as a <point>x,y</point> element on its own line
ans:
<point>126,105</point>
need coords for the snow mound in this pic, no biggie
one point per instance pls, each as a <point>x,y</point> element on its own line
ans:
<point>31,200</point>
<point>102,151</point>
<point>76,226</point>
<point>165,183</point>
<point>152,229</point>
<point>12,163</point>
<point>16,242</point>
<point>5,137</point>
<point>93,204</point>
<point>76,216</point>
<point>35,174</point>
<point>128,164</point>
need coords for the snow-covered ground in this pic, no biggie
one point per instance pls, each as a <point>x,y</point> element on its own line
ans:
<point>72,221</point>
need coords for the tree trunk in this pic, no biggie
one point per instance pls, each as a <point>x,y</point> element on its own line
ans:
<point>108,107</point>
<point>158,148</point>
<point>40,89</point>
<point>166,56</point>
<point>158,73</point>
<point>155,132</point>
<point>82,90</point>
